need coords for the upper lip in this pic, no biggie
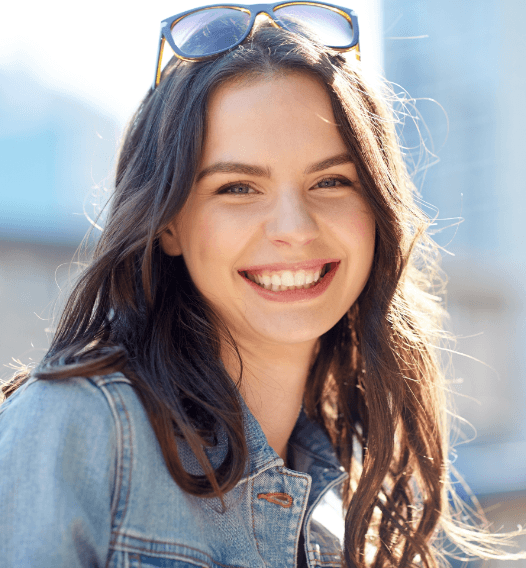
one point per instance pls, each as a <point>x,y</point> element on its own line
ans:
<point>305,265</point>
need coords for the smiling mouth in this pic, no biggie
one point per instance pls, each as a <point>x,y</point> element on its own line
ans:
<point>273,283</point>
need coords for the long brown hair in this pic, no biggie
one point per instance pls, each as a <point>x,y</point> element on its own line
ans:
<point>375,379</point>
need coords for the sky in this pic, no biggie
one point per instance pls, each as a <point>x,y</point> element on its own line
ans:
<point>104,51</point>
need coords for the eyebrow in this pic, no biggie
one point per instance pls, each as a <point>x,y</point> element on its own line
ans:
<point>253,170</point>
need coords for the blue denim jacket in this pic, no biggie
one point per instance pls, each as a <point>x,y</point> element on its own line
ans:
<point>83,483</point>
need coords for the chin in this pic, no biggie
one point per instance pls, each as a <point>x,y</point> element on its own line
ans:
<point>288,334</point>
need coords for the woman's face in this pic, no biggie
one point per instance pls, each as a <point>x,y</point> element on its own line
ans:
<point>278,211</point>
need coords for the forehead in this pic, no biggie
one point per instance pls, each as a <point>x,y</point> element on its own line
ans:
<point>279,112</point>
<point>293,90</point>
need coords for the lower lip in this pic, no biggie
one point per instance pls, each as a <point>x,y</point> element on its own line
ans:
<point>300,295</point>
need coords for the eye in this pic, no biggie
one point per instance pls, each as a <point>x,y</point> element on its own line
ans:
<point>328,183</point>
<point>240,188</point>
<point>235,187</point>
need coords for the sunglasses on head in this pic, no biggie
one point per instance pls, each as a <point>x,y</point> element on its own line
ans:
<point>205,32</point>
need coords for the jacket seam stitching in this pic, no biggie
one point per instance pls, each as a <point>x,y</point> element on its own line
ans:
<point>272,462</point>
<point>253,519</point>
<point>125,507</point>
<point>105,380</point>
<point>111,396</point>
<point>293,475</point>
<point>303,507</point>
<point>120,465</point>
<point>120,442</point>
<point>160,552</point>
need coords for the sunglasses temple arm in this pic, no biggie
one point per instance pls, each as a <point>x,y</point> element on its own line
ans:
<point>160,50</point>
<point>358,52</point>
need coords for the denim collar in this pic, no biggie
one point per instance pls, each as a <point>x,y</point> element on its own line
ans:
<point>307,437</point>
<point>310,445</point>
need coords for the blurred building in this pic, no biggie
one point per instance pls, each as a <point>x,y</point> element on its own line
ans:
<point>463,67</point>
<point>56,153</point>
<point>465,56</point>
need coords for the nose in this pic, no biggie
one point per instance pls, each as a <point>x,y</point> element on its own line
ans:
<point>291,221</point>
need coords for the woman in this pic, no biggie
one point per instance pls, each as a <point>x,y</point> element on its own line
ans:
<point>246,372</point>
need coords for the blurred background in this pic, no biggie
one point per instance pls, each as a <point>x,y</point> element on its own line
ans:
<point>70,78</point>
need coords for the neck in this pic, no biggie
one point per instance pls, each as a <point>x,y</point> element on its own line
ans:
<point>272,387</point>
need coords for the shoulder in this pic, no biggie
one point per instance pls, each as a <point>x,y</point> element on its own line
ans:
<point>57,402</point>
<point>78,418</point>
<point>60,449</point>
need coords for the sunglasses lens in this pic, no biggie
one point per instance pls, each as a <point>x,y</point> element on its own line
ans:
<point>330,27</point>
<point>209,31</point>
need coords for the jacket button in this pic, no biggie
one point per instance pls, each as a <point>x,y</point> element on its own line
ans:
<point>282,499</point>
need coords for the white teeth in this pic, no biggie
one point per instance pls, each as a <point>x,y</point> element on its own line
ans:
<point>275,280</point>
<point>288,280</point>
<point>299,278</point>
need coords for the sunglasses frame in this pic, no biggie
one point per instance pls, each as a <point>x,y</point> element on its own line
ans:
<point>254,10</point>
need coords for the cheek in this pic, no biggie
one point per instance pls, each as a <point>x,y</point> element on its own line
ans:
<point>357,230</point>
<point>215,238</point>
<point>208,238</point>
